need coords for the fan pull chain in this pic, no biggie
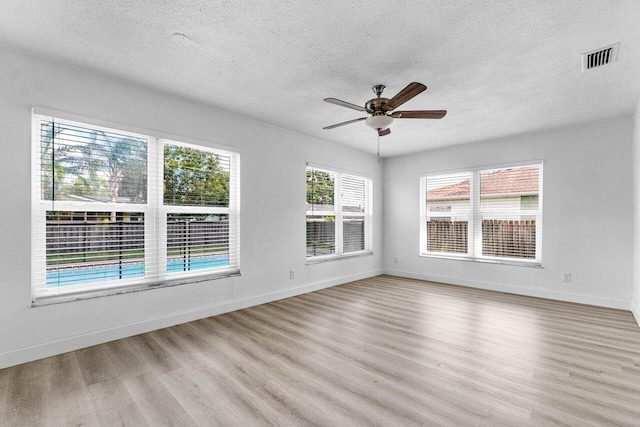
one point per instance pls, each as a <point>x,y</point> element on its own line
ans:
<point>378,148</point>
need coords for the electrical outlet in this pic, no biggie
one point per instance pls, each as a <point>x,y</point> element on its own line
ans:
<point>566,277</point>
<point>395,260</point>
<point>292,274</point>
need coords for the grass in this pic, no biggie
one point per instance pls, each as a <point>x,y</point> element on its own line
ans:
<point>94,257</point>
<point>132,254</point>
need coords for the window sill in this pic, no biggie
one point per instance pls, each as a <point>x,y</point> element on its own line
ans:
<point>531,264</point>
<point>327,258</point>
<point>54,296</point>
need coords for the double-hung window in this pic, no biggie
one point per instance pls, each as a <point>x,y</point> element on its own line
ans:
<point>114,210</point>
<point>338,214</point>
<point>492,214</point>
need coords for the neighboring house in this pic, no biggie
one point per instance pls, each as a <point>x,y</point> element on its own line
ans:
<point>512,189</point>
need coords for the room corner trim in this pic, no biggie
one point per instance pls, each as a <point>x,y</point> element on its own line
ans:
<point>635,309</point>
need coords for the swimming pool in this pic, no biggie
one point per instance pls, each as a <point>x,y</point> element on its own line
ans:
<point>130,270</point>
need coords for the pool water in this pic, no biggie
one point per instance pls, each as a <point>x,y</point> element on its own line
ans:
<point>83,275</point>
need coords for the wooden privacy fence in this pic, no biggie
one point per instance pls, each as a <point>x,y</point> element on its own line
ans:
<point>500,238</point>
<point>185,234</point>
<point>321,236</point>
<point>447,236</point>
<point>68,237</point>
<point>505,238</point>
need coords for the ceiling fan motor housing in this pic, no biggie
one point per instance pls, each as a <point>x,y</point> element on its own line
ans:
<point>375,105</point>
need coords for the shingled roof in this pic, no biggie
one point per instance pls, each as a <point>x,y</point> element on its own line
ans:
<point>523,180</point>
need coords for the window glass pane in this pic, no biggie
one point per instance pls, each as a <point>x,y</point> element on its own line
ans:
<point>320,191</point>
<point>194,177</point>
<point>506,237</point>
<point>320,235</point>
<point>504,194</point>
<point>353,233</point>
<point>336,223</point>
<point>529,202</point>
<point>353,190</point>
<point>447,236</point>
<point>86,247</point>
<point>85,164</point>
<point>510,189</point>
<point>197,241</point>
<point>448,208</point>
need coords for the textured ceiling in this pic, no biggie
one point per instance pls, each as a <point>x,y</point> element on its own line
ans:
<point>499,68</point>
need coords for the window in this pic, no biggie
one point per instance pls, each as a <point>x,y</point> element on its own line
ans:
<point>493,214</point>
<point>115,209</point>
<point>338,214</point>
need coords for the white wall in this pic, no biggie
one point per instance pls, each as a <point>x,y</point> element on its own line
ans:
<point>273,162</point>
<point>587,213</point>
<point>635,305</point>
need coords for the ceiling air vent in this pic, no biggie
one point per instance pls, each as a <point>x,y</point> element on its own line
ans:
<point>600,57</point>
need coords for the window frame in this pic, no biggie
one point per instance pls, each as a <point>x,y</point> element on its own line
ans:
<point>474,232</point>
<point>339,215</point>
<point>155,216</point>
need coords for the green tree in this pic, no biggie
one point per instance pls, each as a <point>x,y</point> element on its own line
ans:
<point>104,165</point>
<point>320,188</point>
<point>111,155</point>
<point>81,187</point>
<point>134,174</point>
<point>194,177</point>
<point>53,172</point>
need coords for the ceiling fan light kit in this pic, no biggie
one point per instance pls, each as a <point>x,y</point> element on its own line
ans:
<point>379,122</point>
<point>381,109</point>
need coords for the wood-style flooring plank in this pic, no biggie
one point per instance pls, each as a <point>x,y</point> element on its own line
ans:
<point>4,391</point>
<point>158,406</point>
<point>153,355</point>
<point>114,405</point>
<point>124,359</point>
<point>68,394</point>
<point>27,395</point>
<point>95,364</point>
<point>377,351</point>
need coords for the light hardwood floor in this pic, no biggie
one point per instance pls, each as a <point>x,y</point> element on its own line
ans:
<point>380,351</point>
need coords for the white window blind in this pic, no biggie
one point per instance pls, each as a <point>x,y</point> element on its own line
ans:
<point>510,211</point>
<point>103,215</point>
<point>484,214</point>
<point>448,213</point>
<point>338,213</point>
<point>321,212</point>
<point>353,191</point>
<point>199,210</point>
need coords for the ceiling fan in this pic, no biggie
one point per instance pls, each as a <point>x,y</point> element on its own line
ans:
<point>381,109</point>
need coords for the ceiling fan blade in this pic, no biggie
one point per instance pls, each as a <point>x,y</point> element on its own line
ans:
<point>404,95</point>
<point>426,114</point>
<point>344,104</point>
<point>344,123</point>
<point>383,132</point>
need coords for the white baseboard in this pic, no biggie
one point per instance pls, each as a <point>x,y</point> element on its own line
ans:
<point>635,309</point>
<point>539,293</point>
<point>52,348</point>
